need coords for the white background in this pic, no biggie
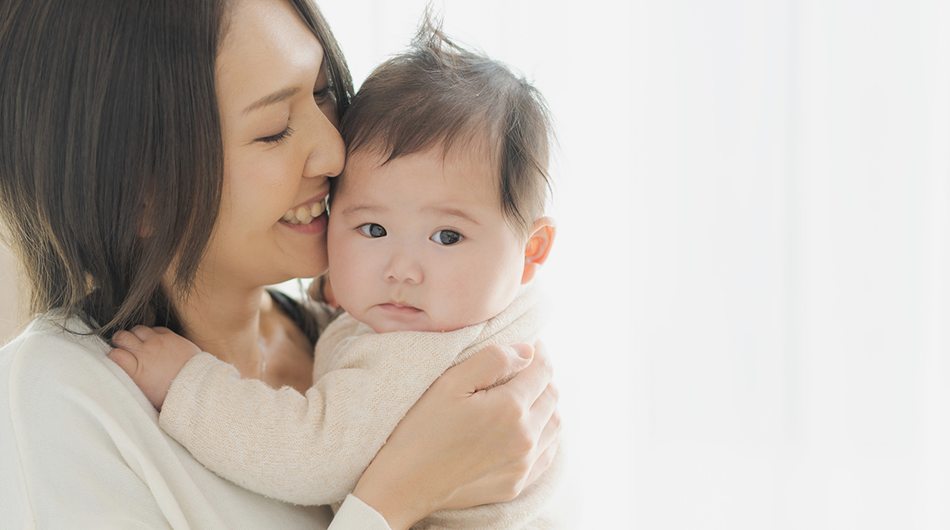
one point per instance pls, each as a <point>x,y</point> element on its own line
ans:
<point>752,270</point>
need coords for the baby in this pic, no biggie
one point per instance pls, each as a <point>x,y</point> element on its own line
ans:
<point>436,231</point>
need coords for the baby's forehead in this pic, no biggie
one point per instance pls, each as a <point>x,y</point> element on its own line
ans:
<point>425,183</point>
<point>463,163</point>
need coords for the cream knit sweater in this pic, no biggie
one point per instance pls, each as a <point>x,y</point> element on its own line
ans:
<point>312,449</point>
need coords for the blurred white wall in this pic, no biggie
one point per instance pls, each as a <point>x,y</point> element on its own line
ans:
<point>752,271</point>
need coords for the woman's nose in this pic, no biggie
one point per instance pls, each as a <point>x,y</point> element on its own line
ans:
<point>327,152</point>
<point>403,267</point>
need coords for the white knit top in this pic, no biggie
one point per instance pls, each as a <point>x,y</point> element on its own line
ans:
<point>80,447</point>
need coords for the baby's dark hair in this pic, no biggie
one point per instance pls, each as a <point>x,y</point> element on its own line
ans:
<point>438,94</point>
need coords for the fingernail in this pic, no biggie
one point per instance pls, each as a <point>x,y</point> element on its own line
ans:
<point>523,350</point>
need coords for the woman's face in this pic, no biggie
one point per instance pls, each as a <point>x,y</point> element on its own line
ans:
<point>281,146</point>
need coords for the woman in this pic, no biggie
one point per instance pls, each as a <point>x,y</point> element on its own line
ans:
<point>148,154</point>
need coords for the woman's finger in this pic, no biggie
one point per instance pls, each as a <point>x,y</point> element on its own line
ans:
<point>530,383</point>
<point>551,432</point>
<point>543,461</point>
<point>544,407</point>
<point>490,365</point>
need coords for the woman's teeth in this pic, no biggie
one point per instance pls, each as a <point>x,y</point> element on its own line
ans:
<point>304,215</point>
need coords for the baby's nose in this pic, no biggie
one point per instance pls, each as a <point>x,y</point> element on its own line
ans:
<point>404,267</point>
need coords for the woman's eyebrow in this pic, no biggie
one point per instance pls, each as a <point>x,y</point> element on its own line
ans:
<point>273,98</point>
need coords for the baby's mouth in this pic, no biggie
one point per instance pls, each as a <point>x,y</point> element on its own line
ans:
<point>397,307</point>
<point>302,215</point>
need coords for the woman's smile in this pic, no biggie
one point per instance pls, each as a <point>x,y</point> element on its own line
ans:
<point>313,225</point>
<point>305,213</point>
<point>307,218</point>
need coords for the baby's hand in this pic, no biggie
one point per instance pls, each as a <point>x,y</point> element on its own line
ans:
<point>152,357</point>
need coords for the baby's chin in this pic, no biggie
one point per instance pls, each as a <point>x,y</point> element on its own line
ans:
<point>390,325</point>
<point>391,328</point>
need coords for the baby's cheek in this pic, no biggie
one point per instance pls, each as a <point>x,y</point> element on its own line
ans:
<point>344,272</point>
<point>345,287</point>
<point>470,304</point>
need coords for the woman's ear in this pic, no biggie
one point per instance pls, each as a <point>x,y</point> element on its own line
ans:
<point>538,247</point>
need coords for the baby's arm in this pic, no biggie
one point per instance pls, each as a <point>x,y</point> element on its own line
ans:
<point>305,449</point>
<point>152,357</point>
<point>275,442</point>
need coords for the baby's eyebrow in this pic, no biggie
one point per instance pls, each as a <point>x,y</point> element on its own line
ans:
<point>357,208</point>
<point>453,212</point>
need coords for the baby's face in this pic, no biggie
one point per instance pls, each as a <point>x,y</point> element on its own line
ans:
<point>421,243</point>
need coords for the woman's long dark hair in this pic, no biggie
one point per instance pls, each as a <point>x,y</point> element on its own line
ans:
<point>111,159</point>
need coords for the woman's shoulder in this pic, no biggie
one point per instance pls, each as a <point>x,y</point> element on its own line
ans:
<point>80,444</point>
<point>55,377</point>
<point>51,347</point>
<point>60,405</point>
<point>55,365</point>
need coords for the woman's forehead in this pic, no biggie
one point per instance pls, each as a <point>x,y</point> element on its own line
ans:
<point>267,48</point>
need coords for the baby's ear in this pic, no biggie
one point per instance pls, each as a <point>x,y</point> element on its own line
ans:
<point>538,247</point>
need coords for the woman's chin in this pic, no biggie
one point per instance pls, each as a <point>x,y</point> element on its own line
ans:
<point>301,270</point>
<point>306,274</point>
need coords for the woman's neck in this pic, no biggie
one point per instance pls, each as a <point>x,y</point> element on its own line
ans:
<point>226,322</point>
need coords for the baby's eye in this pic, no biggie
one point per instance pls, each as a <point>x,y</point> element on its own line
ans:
<point>446,237</point>
<point>372,230</point>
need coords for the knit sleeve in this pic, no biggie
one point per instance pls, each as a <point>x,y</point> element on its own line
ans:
<point>304,449</point>
<point>313,448</point>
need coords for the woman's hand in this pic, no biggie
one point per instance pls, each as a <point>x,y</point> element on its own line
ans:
<point>466,443</point>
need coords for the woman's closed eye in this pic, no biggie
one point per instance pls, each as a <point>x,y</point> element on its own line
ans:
<point>323,94</point>
<point>372,230</point>
<point>277,138</point>
<point>446,237</point>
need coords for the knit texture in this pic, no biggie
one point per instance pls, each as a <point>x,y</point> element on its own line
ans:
<point>312,449</point>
